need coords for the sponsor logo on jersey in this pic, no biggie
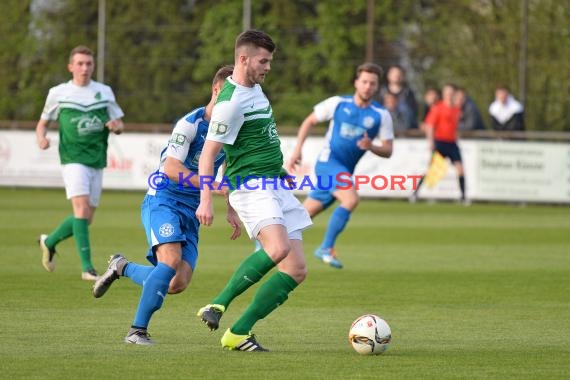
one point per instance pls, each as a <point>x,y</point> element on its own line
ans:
<point>178,139</point>
<point>351,131</point>
<point>87,125</point>
<point>218,128</point>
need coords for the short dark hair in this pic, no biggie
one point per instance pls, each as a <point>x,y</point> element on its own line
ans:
<point>223,73</point>
<point>256,38</point>
<point>369,67</point>
<point>81,49</point>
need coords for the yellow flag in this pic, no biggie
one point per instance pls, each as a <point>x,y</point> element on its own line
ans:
<point>437,170</point>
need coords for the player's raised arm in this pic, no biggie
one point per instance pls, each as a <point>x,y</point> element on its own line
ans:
<point>383,150</point>
<point>385,135</point>
<point>304,130</point>
<point>205,211</point>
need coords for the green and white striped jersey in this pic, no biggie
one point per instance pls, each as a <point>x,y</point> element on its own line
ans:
<point>82,112</point>
<point>242,120</point>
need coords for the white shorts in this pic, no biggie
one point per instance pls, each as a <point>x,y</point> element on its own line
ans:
<point>266,206</point>
<point>83,180</point>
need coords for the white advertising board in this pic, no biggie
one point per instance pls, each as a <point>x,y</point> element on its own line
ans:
<point>495,170</point>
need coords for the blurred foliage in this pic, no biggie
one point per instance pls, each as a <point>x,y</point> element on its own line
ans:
<point>161,55</point>
<point>477,45</point>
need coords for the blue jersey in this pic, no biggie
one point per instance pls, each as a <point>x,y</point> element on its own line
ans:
<point>348,123</point>
<point>185,145</point>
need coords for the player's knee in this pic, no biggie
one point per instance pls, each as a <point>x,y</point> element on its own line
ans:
<point>350,204</point>
<point>298,273</point>
<point>278,251</point>
<point>83,213</point>
<point>179,282</point>
<point>169,255</point>
<point>177,287</point>
<point>459,169</point>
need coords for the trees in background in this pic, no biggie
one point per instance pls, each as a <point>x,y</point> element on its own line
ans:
<point>160,56</point>
<point>13,57</point>
<point>477,45</point>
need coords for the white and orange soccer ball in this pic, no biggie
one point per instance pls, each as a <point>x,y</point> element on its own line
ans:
<point>370,335</point>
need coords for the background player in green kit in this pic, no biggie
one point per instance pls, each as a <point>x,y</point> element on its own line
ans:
<point>87,112</point>
<point>243,124</point>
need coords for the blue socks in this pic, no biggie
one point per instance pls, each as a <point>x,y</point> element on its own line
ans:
<point>137,272</point>
<point>338,220</point>
<point>155,289</point>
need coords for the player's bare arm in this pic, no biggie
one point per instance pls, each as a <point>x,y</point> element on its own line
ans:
<point>384,150</point>
<point>234,221</point>
<point>41,132</point>
<point>205,211</point>
<point>116,126</point>
<point>175,169</point>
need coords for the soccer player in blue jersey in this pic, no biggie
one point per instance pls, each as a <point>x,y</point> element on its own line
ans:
<point>168,215</point>
<point>355,120</point>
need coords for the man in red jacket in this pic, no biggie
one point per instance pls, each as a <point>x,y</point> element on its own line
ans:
<point>442,123</point>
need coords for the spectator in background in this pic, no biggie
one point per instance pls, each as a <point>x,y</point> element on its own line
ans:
<point>396,85</point>
<point>507,114</point>
<point>470,119</point>
<point>400,120</point>
<point>431,96</point>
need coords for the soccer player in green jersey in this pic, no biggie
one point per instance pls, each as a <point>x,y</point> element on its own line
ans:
<point>243,125</point>
<point>87,112</point>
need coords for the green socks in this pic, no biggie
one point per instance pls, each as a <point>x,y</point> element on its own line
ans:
<point>62,232</point>
<point>251,270</point>
<point>78,228</point>
<point>81,234</point>
<point>269,296</point>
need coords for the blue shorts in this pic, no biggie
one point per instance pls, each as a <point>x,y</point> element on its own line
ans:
<point>328,181</point>
<point>448,149</point>
<point>170,221</point>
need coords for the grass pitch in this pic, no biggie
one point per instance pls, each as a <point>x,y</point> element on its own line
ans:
<point>469,292</point>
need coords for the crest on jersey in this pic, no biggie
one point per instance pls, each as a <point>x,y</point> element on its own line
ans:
<point>368,122</point>
<point>178,139</point>
<point>218,128</point>
<point>166,230</point>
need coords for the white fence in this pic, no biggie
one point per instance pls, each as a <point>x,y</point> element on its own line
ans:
<point>495,170</point>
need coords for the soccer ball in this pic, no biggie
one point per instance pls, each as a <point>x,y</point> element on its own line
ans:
<point>370,335</point>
